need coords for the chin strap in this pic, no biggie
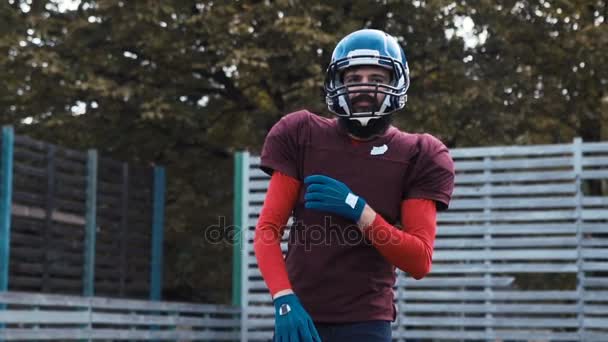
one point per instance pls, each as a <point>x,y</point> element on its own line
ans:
<point>363,121</point>
<point>371,126</point>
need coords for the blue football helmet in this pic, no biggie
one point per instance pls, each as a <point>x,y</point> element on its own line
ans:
<point>370,48</point>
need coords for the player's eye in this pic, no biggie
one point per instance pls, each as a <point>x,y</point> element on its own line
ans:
<point>352,79</point>
<point>379,80</point>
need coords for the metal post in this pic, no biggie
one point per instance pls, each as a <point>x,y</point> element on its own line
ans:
<point>238,225</point>
<point>91,225</point>
<point>124,225</point>
<point>50,207</point>
<point>487,211</point>
<point>6,196</point>
<point>6,193</point>
<point>577,146</point>
<point>241,240</point>
<point>158,218</point>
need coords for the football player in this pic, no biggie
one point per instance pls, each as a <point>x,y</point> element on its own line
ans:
<point>348,181</point>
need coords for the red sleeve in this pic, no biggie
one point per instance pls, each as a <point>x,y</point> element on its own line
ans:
<point>410,249</point>
<point>280,200</point>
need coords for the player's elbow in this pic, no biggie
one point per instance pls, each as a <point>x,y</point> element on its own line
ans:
<point>421,273</point>
<point>266,233</point>
<point>424,266</point>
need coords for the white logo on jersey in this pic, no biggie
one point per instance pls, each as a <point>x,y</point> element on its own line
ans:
<point>378,150</point>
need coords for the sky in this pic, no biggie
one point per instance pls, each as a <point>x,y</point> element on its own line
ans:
<point>64,5</point>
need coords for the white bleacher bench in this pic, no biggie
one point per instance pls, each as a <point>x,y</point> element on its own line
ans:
<point>34,316</point>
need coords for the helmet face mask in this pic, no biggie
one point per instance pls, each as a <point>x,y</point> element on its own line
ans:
<point>367,48</point>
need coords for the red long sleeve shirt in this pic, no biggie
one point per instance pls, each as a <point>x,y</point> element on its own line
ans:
<point>410,249</point>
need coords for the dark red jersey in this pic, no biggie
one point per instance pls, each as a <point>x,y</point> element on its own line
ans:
<point>337,274</point>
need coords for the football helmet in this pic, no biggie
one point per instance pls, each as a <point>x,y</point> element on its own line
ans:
<point>367,47</point>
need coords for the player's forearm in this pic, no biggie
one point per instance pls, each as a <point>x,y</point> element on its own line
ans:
<point>405,251</point>
<point>267,248</point>
<point>280,199</point>
<point>410,250</point>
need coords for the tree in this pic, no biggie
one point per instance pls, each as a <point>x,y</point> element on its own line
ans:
<point>186,84</point>
<point>543,63</point>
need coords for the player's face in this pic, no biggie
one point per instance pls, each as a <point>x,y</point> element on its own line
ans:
<point>365,101</point>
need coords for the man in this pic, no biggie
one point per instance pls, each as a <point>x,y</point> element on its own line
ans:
<point>348,181</point>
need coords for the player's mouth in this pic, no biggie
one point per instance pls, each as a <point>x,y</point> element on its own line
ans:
<point>363,102</point>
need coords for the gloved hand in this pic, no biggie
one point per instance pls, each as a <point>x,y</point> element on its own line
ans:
<point>291,322</point>
<point>327,194</point>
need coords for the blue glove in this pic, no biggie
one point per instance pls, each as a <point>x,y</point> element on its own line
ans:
<point>291,322</point>
<point>327,194</point>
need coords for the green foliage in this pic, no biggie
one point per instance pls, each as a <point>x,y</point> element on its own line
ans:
<point>186,84</point>
<point>551,69</point>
